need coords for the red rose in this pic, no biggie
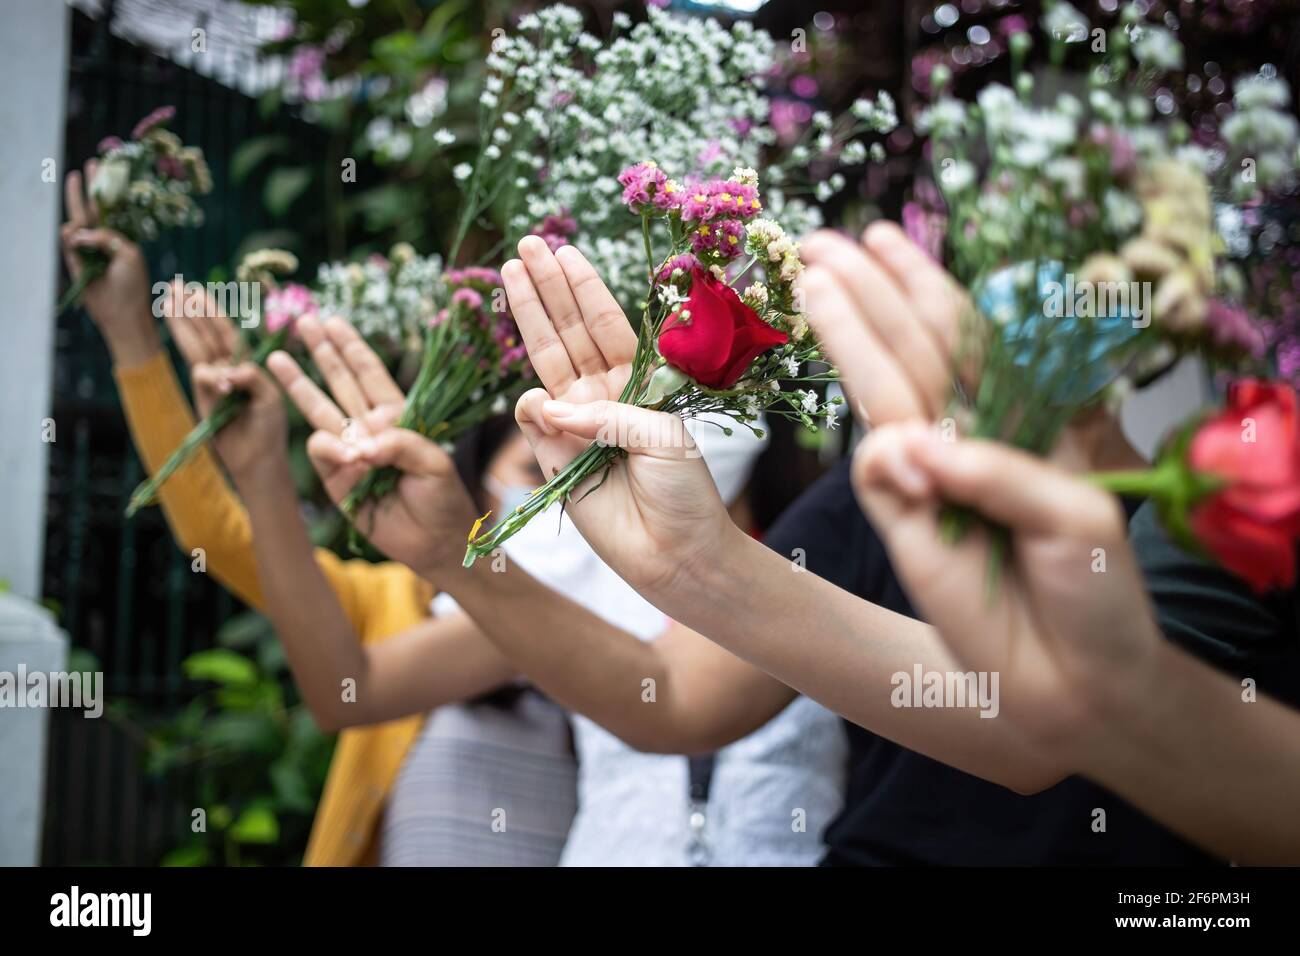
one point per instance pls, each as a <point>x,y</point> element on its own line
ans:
<point>1251,524</point>
<point>721,337</point>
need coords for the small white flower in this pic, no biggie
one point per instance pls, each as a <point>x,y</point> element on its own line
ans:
<point>1157,48</point>
<point>444,137</point>
<point>462,172</point>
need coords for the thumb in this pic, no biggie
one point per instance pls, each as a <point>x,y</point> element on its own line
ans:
<point>249,378</point>
<point>406,451</point>
<point>639,431</point>
<point>108,241</point>
<point>336,462</point>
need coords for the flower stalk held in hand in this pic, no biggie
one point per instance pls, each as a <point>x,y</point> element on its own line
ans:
<point>281,307</point>
<point>141,187</point>
<point>474,365</point>
<point>702,347</point>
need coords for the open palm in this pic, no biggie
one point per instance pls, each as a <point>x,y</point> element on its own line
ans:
<point>658,512</point>
<point>422,523</point>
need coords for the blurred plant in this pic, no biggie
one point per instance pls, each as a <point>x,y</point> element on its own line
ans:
<point>142,186</point>
<point>246,752</point>
<point>375,77</point>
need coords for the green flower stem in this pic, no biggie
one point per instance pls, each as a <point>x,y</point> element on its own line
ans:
<point>223,413</point>
<point>93,265</point>
<point>596,458</point>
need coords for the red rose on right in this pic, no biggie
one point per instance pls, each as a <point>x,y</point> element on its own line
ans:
<point>721,337</point>
<point>1251,523</point>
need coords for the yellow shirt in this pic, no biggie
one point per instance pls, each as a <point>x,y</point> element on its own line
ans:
<point>380,600</point>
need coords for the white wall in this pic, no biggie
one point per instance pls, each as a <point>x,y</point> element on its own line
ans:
<point>33,83</point>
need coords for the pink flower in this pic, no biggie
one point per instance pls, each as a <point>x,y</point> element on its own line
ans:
<point>730,238</point>
<point>640,184</point>
<point>1232,327</point>
<point>697,204</point>
<point>171,167</point>
<point>286,305</point>
<point>711,153</point>
<point>803,85</point>
<point>158,117</point>
<point>556,230</point>
<point>109,143</point>
<point>468,298</point>
<point>925,228</point>
<point>686,262</point>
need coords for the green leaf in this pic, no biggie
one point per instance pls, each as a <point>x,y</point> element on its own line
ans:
<point>256,825</point>
<point>253,153</point>
<point>243,733</point>
<point>283,186</point>
<point>195,854</point>
<point>243,630</point>
<point>222,666</point>
<point>291,786</point>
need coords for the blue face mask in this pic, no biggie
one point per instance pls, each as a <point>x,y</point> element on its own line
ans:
<point>509,497</point>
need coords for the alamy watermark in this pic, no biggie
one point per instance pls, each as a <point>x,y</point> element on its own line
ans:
<point>23,689</point>
<point>1073,299</point>
<point>922,688</point>
<point>241,301</point>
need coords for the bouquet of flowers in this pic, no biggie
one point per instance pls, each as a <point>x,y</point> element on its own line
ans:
<point>1087,231</point>
<point>563,112</point>
<point>141,187</point>
<point>278,308</point>
<point>1096,258</point>
<point>474,365</point>
<point>390,300</point>
<point>703,348</point>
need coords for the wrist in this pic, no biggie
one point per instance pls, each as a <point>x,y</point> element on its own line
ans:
<point>269,480</point>
<point>132,344</point>
<point>711,574</point>
<point>1121,701</point>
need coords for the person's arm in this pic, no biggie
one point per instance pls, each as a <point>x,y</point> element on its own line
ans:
<point>431,664</point>
<point>1182,745</point>
<point>344,682</point>
<point>706,696</point>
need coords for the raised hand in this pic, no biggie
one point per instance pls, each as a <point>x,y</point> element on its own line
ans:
<point>1068,620</point>
<point>889,316</point>
<point>657,513</point>
<point>118,301</point>
<point>424,522</point>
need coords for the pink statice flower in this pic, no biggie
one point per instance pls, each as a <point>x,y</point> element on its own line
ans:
<point>1232,327</point>
<point>286,305</point>
<point>556,230</point>
<point>730,241</point>
<point>171,167</point>
<point>158,117</point>
<point>110,143</point>
<point>685,262</point>
<point>640,184</point>
<point>467,297</point>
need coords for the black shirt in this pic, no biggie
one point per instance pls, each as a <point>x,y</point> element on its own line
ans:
<point>904,808</point>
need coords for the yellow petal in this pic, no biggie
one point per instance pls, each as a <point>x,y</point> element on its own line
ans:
<point>473,532</point>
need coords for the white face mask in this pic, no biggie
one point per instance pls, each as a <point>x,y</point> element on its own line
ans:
<point>509,497</point>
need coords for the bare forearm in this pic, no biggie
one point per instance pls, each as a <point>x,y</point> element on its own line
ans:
<point>1187,746</point>
<point>320,643</point>
<point>844,652</point>
<point>436,662</point>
